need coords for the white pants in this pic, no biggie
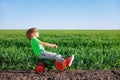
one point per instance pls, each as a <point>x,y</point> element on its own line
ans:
<point>51,55</point>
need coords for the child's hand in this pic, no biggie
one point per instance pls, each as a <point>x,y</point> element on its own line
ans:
<point>54,45</point>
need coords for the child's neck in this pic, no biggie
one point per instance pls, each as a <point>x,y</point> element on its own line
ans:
<point>34,37</point>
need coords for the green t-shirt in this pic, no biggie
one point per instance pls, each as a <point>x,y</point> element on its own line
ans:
<point>37,48</point>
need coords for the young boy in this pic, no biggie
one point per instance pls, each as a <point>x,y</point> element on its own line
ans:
<point>37,46</point>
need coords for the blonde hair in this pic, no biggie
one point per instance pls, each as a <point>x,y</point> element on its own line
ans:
<point>29,32</point>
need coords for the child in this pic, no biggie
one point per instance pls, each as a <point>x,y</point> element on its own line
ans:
<point>37,46</point>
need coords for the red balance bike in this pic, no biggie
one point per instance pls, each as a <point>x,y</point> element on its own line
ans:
<point>59,66</point>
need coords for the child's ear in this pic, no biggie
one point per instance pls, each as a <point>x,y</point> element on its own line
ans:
<point>33,34</point>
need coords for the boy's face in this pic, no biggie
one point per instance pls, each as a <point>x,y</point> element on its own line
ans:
<point>36,34</point>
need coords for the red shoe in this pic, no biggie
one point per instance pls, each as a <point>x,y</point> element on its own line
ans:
<point>69,61</point>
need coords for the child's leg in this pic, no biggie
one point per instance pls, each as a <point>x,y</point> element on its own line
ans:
<point>50,55</point>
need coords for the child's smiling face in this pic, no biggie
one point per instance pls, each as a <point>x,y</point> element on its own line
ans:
<point>35,34</point>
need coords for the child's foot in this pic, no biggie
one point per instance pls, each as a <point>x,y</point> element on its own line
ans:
<point>69,60</point>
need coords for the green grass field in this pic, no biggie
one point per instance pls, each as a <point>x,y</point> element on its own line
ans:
<point>93,49</point>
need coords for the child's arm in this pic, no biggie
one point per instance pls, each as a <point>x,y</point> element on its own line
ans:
<point>48,44</point>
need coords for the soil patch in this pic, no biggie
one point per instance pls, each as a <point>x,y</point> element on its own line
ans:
<point>65,75</point>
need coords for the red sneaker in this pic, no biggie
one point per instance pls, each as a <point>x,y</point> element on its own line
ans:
<point>69,61</point>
